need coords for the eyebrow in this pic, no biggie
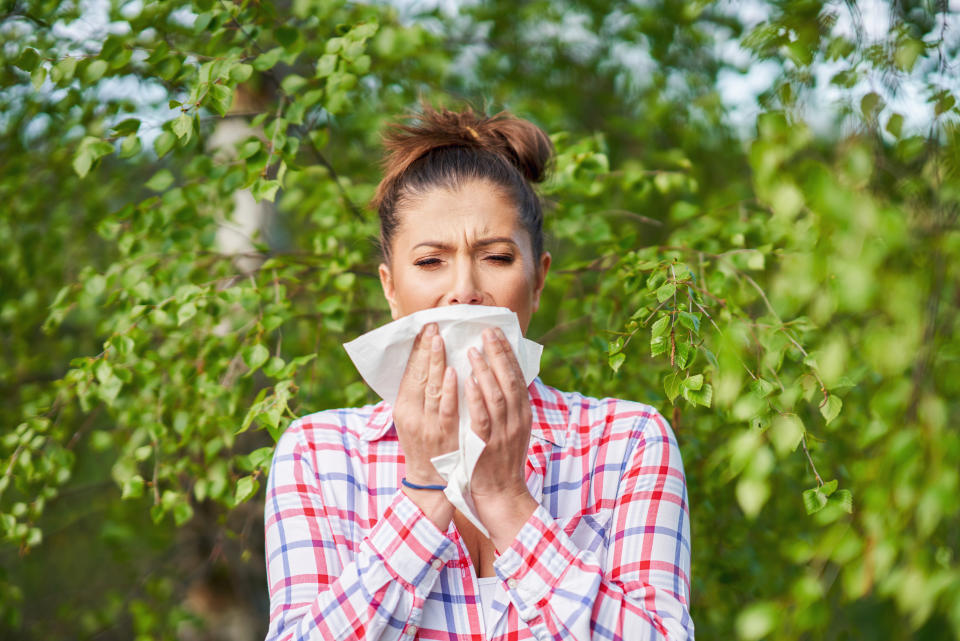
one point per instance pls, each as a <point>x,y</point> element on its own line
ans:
<point>483,242</point>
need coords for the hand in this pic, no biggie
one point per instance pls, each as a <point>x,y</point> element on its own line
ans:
<point>425,412</point>
<point>499,407</point>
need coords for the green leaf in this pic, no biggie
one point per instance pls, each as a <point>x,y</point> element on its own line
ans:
<point>274,366</point>
<point>241,72</point>
<point>666,291</point>
<point>28,59</point>
<point>870,105</point>
<point>616,360</point>
<point>829,487</point>
<point>183,127</point>
<point>37,76</point>
<point>182,512</point>
<point>90,150</point>
<point>831,408</point>
<point>220,98</point>
<point>762,387</point>
<point>255,356</point>
<point>786,433</point>
<point>246,488</point>
<point>694,383</point>
<point>895,125</point>
<point>814,500</point>
<point>660,327</point>
<point>164,143</point>
<point>293,83</point>
<point>95,71</point>
<point>127,127</point>
<point>255,408</point>
<point>671,385</point>
<point>62,72</point>
<point>260,457</point>
<point>268,60</point>
<point>160,181</point>
<point>132,487</point>
<point>844,498</point>
<point>757,621</point>
<point>702,396</point>
<point>265,189</point>
<point>130,146</point>
<point>752,494</point>
<point>326,65</point>
<point>185,313</point>
<point>690,321</point>
<point>659,346</point>
<point>82,162</point>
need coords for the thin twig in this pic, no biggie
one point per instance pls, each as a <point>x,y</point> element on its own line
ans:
<point>632,215</point>
<point>803,441</point>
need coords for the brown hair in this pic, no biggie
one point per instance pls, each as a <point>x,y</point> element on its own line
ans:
<point>446,148</point>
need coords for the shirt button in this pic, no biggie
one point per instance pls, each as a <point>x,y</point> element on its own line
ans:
<point>410,631</point>
<point>512,583</point>
<point>436,564</point>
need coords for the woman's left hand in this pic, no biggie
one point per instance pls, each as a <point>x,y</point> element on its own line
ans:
<point>499,407</point>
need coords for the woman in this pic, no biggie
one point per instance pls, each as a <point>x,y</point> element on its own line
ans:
<point>584,499</point>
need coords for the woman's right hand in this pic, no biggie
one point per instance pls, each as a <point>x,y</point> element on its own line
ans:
<point>425,412</point>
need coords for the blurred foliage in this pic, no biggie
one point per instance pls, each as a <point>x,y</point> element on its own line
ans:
<point>787,297</point>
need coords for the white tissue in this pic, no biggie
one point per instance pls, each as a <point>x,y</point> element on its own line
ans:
<point>381,358</point>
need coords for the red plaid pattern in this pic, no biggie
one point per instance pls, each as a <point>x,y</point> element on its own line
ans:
<point>606,556</point>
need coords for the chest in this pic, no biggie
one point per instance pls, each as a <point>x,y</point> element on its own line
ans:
<point>479,548</point>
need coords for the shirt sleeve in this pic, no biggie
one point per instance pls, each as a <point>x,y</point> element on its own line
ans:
<point>638,587</point>
<point>319,590</point>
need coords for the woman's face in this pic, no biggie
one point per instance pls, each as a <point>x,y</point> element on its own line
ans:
<point>465,246</point>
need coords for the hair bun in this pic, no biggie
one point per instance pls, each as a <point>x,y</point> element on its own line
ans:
<point>520,142</point>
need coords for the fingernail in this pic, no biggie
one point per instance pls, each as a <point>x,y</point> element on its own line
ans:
<point>474,352</point>
<point>488,334</point>
<point>431,329</point>
<point>437,344</point>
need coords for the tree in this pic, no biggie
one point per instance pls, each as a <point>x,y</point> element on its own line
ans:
<point>787,298</point>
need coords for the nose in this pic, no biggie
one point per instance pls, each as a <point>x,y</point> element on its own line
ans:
<point>465,289</point>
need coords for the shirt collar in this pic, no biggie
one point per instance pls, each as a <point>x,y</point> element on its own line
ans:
<point>550,416</point>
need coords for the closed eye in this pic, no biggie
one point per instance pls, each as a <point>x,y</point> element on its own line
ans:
<point>501,258</point>
<point>427,262</point>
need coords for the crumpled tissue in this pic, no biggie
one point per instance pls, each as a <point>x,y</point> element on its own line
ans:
<point>381,357</point>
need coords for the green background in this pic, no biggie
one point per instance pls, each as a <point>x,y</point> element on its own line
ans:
<point>754,223</point>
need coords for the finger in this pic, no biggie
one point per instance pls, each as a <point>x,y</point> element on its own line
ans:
<point>505,367</point>
<point>479,417</point>
<point>435,374</point>
<point>512,359</point>
<point>448,401</point>
<point>493,397</point>
<point>415,374</point>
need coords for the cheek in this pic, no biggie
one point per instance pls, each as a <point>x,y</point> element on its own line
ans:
<point>518,290</point>
<point>416,290</point>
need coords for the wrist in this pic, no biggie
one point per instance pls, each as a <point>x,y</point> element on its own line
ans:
<point>434,505</point>
<point>417,476</point>
<point>505,515</point>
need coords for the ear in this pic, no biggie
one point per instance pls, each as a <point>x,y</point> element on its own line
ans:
<point>389,290</point>
<point>541,278</point>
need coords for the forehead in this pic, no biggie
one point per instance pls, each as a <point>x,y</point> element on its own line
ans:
<point>472,209</point>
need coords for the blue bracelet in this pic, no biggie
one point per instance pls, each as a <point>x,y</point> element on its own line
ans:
<point>414,486</point>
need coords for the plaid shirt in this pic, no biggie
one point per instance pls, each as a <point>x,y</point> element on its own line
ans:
<point>606,555</point>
